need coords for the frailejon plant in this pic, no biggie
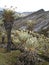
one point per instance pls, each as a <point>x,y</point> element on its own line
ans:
<point>8,19</point>
<point>32,43</point>
<point>23,36</point>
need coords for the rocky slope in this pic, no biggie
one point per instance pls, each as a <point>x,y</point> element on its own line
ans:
<point>41,19</point>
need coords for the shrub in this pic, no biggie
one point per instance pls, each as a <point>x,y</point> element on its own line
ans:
<point>32,43</point>
<point>23,36</point>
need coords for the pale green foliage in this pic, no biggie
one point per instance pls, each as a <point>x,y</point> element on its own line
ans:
<point>16,41</point>
<point>43,45</point>
<point>23,36</point>
<point>32,42</point>
<point>30,23</point>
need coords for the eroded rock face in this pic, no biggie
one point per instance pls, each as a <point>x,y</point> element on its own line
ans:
<point>41,19</point>
<point>42,26</point>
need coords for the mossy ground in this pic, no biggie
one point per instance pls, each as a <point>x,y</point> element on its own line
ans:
<point>9,58</point>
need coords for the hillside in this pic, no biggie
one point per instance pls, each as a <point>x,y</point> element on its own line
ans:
<point>39,18</point>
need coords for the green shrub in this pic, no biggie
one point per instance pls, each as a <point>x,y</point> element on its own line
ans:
<point>23,36</point>
<point>32,42</point>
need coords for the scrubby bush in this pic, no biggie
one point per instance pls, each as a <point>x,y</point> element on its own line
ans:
<point>32,43</point>
<point>30,24</point>
<point>22,36</point>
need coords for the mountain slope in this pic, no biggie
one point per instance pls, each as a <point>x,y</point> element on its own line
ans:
<point>41,19</point>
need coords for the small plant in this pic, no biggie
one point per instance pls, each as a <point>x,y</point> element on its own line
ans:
<point>32,43</point>
<point>23,36</point>
<point>30,24</point>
